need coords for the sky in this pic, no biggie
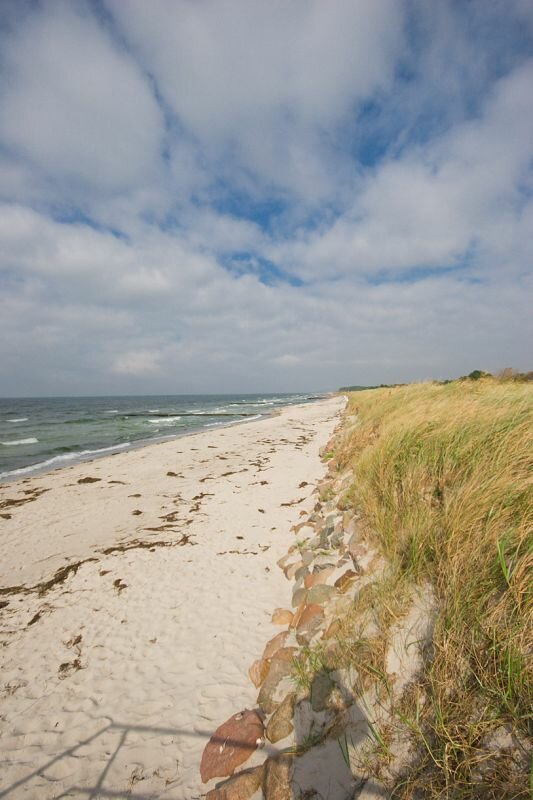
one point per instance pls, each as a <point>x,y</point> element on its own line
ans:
<point>261,195</point>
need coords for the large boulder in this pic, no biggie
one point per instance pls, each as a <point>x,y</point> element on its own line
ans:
<point>231,745</point>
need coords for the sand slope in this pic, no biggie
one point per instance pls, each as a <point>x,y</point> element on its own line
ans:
<point>114,678</point>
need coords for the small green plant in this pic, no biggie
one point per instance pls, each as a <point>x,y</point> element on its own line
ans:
<point>306,665</point>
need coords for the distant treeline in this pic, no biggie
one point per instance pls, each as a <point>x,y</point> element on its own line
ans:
<point>507,374</point>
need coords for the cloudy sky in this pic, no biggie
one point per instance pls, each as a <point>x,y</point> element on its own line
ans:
<point>255,195</point>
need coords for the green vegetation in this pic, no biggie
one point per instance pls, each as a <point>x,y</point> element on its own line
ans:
<point>442,479</point>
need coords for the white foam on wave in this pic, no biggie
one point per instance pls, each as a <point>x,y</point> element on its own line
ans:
<point>112,411</point>
<point>13,442</point>
<point>163,420</point>
<point>233,422</point>
<point>153,410</point>
<point>64,457</point>
<point>18,419</point>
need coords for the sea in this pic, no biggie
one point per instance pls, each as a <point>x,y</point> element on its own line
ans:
<point>41,434</point>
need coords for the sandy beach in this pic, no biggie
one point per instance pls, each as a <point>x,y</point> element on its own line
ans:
<point>136,591</point>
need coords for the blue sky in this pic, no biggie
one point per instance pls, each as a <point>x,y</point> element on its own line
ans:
<point>239,195</point>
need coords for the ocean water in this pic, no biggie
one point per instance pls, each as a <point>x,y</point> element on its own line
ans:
<point>41,434</point>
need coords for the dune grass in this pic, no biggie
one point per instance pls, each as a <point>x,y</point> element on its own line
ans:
<point>442,477</point>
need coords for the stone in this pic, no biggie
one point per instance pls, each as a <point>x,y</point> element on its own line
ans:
<point>320,594</point>
<point>337,539</point>
<point>309,623</point>
<point>307,557</point>
<point>318,577</point>
<point>231,745</point>
<point>298,596</point>
<point>296,616</point>
<point>274,645</point>
<point>240,787</point>
<point>284,560</point>
<point>291,570</point>
<point>277,778</point>
<point>280,723</point>
<point>282,616</point>
<point>258,671</point>
<point>332,630</point>
<point>280,667</point>
<point>345,580</point>
<point>285,654</point>
<point>301,572</point>
<point>321,689</point>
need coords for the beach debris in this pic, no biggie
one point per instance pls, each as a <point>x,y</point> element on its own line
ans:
<point>88,479</point>
<point>119,585</point>
<point>137,543</point>
<point>20,501</point>
<point>68,668</point>
<point>292,502</point>
<point>239,787</point>
<point>231,745</point>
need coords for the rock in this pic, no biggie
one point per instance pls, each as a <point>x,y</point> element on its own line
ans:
<point>291,570</point>
<point>345,580</point>
<point>321,688</point>
<point>296,616</point>
<point>274,645</point>
<point>309,624</point>
<point>337,539</point>
<point>282,563</point>
<point>301,572</point>
<point>333,629</point>
<point>240,787</point>
<point>318,577</point>
<point>280,667</point>
<point>280,723</point>
<point>282,616</point>
<point>277,778</point>
<point>231,745</point>
<point>285,654</point>
<point>324,560</point>
<point>320,593</point>
<point>258,671</point>
<point>299,596</point>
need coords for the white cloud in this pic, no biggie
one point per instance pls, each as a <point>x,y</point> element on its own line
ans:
<point>156,164</point>
<point>261,85</point>
<point>76,106</point>
<point>427,208</point>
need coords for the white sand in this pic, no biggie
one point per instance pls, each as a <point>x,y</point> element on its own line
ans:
<point>155,644</point>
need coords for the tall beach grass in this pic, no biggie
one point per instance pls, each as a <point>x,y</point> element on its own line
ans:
<point>442,476</point>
